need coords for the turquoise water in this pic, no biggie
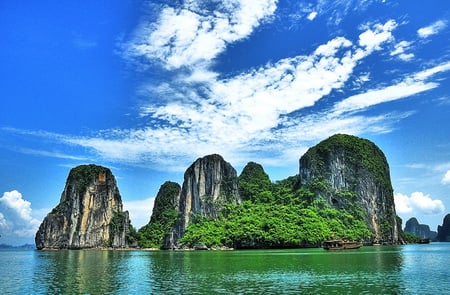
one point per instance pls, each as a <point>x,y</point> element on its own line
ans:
<point>410,269</point>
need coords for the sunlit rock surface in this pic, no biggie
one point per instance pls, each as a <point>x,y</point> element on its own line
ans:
<point>89,214</point>
<point>209,183</point>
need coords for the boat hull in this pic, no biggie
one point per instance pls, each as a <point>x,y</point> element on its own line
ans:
<point>341,245</point>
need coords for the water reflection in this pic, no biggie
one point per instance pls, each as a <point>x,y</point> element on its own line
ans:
<point>375,270</point>
<point>369,270</point>
<point>84,272</point>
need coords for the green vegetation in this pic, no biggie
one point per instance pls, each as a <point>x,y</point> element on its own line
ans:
<point>84,175</point>
<point>410,238</point>
<point>291,217</point>
<point>254,184</point>
<point>163,217</point>
<point>288,213</point>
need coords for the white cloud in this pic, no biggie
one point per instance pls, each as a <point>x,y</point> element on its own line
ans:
<point>17,225</point>
<point>406,56</point>
<point>258,111</point>
<point>400,49</point>
<point>411,85</point>
<point>191,35</point>
<point>254,112</point>
<point>418,203</point>
<point>52,154</point>
<point>373,37</point>
<point>425,74</point>
<point>402,204</point>
<point>432,29</point>
<point>312,15</point>
<point>376,96</point>
<point>239,113</point>
<point>417,166</point>
<point>140,211</point>
<point>446,179</point>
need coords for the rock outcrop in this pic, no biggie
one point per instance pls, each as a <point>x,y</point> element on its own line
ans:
<point>209,183</point>
<point>164,216</point>
<point>89,214</point>
<point>422,231</point>
<point>443,234</point>
<point>353,173</point>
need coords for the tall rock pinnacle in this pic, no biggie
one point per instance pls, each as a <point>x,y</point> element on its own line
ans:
<point>88,215</point>
<point>209,183</point>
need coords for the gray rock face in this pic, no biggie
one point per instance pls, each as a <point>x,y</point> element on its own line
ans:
<point>88,215</point>
<point>353,173</point>
<point>209,183</point>
<point>443,234</point>
<point>423,231</point>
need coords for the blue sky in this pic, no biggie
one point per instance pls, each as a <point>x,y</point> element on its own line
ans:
<point>147,87</point>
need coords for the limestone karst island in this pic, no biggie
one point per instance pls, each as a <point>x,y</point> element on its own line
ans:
<point>343,189</point>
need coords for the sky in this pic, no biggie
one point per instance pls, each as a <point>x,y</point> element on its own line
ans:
<point>147,87</point>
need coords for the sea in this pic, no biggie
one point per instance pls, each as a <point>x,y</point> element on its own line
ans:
<point>407,269</point>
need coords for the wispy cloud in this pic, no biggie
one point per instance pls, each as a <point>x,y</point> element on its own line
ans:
<point>247,112</point>
<point>197,32</point>
<point>262,111</point>
<point>51,154</point>
<point>84,44</point>
<point>446,178</point>
<point>337,10</point>
<point>432,29</point>
<point>400,51</point>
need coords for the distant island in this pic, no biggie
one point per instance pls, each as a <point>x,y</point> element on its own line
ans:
<point>443,234</point>
<point>343,189</point>
<point>415,232</point>
<point>24,247</point>
<point>418,233</point>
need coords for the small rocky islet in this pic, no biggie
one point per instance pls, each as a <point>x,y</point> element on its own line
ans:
<point>89,214</point>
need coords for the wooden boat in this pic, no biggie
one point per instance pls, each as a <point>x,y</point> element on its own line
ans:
<point>423,241</point>
<point>341,245</point>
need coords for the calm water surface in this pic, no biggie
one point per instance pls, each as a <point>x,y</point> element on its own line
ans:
<point>410,269</point>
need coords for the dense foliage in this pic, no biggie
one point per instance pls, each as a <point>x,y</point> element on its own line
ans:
<point>84,175</point>
<point>163,217</point>
<point>292,217</point>
<point>290,212</point>
<point>254,184</point>
<point>410,238</point>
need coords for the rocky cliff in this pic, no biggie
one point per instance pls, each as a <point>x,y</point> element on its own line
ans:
<point>422,231</point>
<point>164,216</point>
<point>443,234</point>
<point>353,173</point>
<point>209,183</point>
<point>88,215</point>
